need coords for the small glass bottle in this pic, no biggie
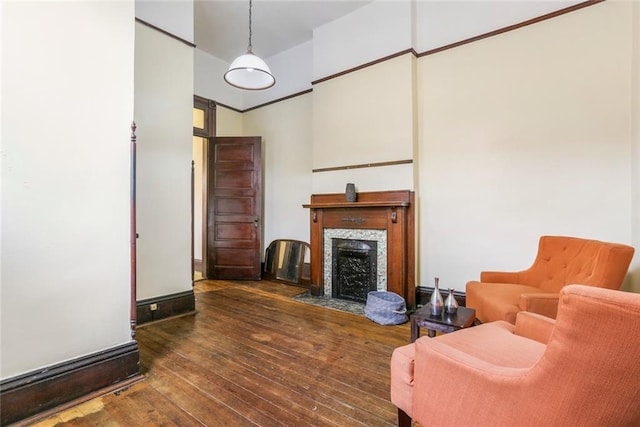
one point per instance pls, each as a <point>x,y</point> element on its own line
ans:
<point>436,300</point>
<point>450,304</point>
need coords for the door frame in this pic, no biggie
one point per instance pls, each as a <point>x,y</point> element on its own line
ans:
<point>209,130</point>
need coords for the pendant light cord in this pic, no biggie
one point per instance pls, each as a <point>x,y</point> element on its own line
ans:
<point>250,49</point>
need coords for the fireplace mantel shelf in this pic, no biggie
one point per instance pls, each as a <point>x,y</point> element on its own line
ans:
<point>342,205</point>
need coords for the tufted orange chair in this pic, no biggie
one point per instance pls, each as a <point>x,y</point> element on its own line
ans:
<point>559,262</point>
<point>581,369</point>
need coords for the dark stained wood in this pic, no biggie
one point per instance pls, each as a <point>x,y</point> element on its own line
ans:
<point>363,165</point>
<point>253,356</point>
<point>209,108</point>
<point>133,234</point>
<point>165,306</point>
<point>392,211</point>
<point>445,323</point>
<point>209,130</point>
<point>404,420</point>
<point>234,208</point>
<point>28,394</point>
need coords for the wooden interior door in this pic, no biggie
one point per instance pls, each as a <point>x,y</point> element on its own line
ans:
<point>234,208</point>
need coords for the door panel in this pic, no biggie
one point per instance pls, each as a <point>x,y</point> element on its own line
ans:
<point>234,208</point>
<point>235,231</point>
<point>232,179</point>
<point>228,205</point>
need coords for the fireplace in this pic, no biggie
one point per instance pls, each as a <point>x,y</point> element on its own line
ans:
<point>353,266</point>
<point>384,217</point>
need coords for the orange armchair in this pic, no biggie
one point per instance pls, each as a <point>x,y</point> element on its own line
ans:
<point>579,369</point>
<point>560,261</point>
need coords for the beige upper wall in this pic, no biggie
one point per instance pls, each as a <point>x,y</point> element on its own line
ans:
<point>526,134</point>
<point>365,117</point>
<point>285,128</point>
<point>228,122</point>
<point>67,107</point>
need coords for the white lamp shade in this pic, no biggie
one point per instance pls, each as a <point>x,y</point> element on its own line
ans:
<point>249,72</point>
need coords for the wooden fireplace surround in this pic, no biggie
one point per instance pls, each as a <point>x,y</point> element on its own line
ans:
<point>392,211</point>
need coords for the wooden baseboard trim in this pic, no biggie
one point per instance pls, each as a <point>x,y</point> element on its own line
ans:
<point>423,295</point>
<point>165,306</point>
<point>32,393</point>
<point>115,388</point>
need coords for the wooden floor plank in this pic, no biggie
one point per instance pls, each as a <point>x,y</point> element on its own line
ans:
<point>253,356</point>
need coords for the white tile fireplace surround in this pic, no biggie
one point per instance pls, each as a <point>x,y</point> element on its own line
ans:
<point>378,236</point>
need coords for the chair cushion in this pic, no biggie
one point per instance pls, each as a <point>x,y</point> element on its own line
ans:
<point>402,363</point>
<point>496,301</point>
<point>507,350</point>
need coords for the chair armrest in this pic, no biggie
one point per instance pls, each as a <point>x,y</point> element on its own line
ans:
<point>541,303</point>
<point>499,277</point>
<point>534,326</point>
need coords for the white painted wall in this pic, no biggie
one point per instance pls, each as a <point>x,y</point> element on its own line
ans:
<point>525,134</point>
<point>164,115</point>
<point>292,70</point>
<point>369,33</point>
<point>209,80</point>
<point>67,105</point>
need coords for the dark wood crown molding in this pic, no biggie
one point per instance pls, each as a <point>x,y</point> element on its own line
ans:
<point>512,27</point>
<point>368,64</point>
<point>165,32</point>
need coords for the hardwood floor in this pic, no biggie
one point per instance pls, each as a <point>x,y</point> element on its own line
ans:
<point>252,356</point>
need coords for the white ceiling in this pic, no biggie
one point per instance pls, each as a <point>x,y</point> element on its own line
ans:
<point>221,27</point>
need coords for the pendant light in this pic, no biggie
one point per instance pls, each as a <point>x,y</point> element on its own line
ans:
<point>248,71</point>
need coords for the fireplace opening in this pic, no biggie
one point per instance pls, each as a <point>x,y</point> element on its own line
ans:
<point>354,269</point>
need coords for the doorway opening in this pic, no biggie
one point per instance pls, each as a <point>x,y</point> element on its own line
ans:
<point>204,126</point>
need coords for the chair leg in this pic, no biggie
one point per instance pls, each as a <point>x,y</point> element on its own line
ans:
<point>404,420</point>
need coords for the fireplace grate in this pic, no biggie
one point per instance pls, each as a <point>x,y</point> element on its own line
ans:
<point>354,269</point>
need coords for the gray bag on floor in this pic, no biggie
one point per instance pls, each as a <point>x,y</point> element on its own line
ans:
<point>385,308</point>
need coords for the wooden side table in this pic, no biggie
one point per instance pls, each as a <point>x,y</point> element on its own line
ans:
<point>446,323</point>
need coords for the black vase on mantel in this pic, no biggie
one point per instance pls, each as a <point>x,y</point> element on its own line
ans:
<point>350,192</point>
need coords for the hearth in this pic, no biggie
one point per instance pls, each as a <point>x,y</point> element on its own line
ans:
<point>354,269</point>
